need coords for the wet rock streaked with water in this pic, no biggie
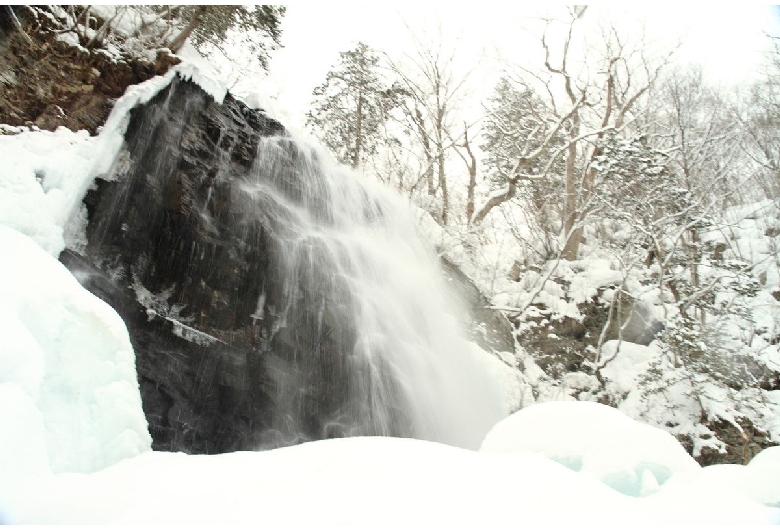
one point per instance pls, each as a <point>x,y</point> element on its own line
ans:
<point>272,297</point>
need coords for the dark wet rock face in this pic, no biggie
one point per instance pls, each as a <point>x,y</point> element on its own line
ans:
<point>213,237</point>
<point>205,398</point>
<point>261,291</point>
<point>164,252</point>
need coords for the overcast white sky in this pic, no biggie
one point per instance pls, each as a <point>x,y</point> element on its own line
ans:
<point>726,39</point>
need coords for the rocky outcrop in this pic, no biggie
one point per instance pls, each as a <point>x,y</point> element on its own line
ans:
<point>194,269</point>
<point>489,328</point>
<point>557,344</point>
<point>48,83</point>
<point>163,251</point>
<point>740,446</point>
<point>207,241</point>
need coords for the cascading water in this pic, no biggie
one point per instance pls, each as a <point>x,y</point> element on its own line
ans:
<point>358,278</point>
<point>278,297</point>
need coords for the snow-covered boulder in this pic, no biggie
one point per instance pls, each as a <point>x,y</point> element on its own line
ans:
<point>625,364</point>
<point>629,456</point>
<point>69,398</point>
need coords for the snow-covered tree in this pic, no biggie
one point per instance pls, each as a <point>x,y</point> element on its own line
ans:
<point>761,123</point>
<point>515,125</point>
<point>352,105</point>
<point>434,92</point>
<point>204,25</point>
<point>586,99</point>
<point>523,142</point>
<point>139,29</point>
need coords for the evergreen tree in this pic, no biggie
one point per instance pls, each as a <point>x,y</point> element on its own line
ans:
<point>516,124</point>
<point>351,106</point>
<point>520,127</point>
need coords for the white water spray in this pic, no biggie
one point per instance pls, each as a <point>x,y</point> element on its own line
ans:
<point>365,293</point>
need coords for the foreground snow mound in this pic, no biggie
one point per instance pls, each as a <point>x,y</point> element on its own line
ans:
<point>69,398</point>
<point>367,481</point>
<point>597,440</point>
<point>759,480</point>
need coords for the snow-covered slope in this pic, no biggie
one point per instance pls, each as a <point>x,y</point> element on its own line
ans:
<point>709,377</point>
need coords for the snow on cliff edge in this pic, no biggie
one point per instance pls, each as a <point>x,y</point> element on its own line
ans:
<point>46,174</point>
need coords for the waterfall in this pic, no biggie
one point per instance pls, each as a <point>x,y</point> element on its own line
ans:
<point>359,279</point>
<point>285,298</point>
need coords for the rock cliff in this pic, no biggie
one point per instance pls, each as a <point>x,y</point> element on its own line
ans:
<point>248,318</point>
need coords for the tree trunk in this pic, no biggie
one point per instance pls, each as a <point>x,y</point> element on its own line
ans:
<point>495,200</point>
<point>573,237</point>
<point>426,143</point>
<point>445,198</point>
<point>359,133</point>
<point>472,167</point>
<point>178,41</point>
<point>575,203</point>
<point>470,199</point>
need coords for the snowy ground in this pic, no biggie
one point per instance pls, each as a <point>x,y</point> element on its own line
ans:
<point>79,453</point>
<point>387,481</point>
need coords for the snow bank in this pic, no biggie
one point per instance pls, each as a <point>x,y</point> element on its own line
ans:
<point>594,439</point>
<point>764,477</point>
<point>384,482</point>
<point>758,480</point>
<point>67,370</point>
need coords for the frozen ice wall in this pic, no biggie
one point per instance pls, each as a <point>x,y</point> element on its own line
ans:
<point>69,400</point>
